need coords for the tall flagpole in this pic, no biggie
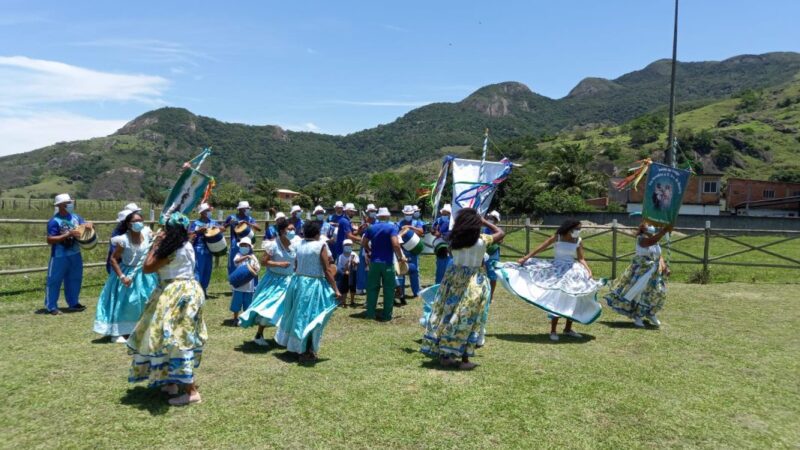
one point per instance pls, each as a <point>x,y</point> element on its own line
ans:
<point>482,170</point>
<point>670,153</point>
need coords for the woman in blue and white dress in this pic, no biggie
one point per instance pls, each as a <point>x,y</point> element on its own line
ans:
<point>310,297</point>
<point>563,287</point>
<point>268,300</point>
<point>127,289</point>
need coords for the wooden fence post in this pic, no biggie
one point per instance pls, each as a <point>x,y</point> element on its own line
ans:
<point>614,249</point>
<point>706,241</point>
<point>152,215</point>
<point>527,235</point>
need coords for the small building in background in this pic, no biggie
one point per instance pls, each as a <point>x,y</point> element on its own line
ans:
<point>701,197</point>
<point>286,194</point>
<point>762,198</point>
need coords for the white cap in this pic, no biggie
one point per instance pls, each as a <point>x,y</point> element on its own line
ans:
<point>371,207</point>
<point>203,208</point>
<point>62,198</point>
<point>133,207</point>
<point>495,214</point>
<point>244,204</point>
<point>349,207</point>
<point>447,208</point>
<point>246,240</point>
<point>338,204</point>
<point>319,209</point>
<point>383,212</point>
<point>122,215</point>
<point>295,208</point>
<point>280,215</point>
<point>408,209</point>
<point>347,242</point>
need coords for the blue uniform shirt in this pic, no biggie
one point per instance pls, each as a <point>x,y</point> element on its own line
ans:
<point>380,237</point>
<point>199,243</point>
<point>59,225</point>
<point>271,233</point>
<point>442,224</point>
<point>234,219</point>
<point>345,228</point>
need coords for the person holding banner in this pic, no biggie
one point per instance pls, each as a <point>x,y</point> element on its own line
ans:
<point>415,225</point>
<point>641,290</point>
<point>127,289</point>
<point>490,261</point>
<point>167,342</point>
<point>457,309</point>
<point>66,263</point>
<point>242,216</point>
<point>204,259</point>
<point>441,229</point>
<point>563,287</point>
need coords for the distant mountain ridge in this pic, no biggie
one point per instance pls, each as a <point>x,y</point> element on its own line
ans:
<point>152,146</point>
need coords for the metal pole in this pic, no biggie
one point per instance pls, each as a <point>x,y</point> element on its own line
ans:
<point>670,153</point>
<point>527,235</point>
<point>614,249</point>
<point>707,236</point>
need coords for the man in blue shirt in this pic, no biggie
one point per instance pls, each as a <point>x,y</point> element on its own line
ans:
<point>203,257</point>
<point>441,228</point>
<point>66,263</point>
<point>415,225</point>
<point>296,219</point>
<point>271,232</point>
<point>382,246</point>
<point>242,215</point>
<point>344,230</point>
<point>338,212</point>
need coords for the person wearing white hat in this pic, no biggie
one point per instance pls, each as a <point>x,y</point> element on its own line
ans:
<point>382,246</point>
<point>296,219</point>
<point>242,295</point>
<point>441,229</point>
<point>409,223</point>
<point>326,230</point>
<point>133,207</point>
<point>66,263</point>
<point>361,277</point>
<point>344,230</point>
<point>271,231</point>
<point>346,271</point>
<point>204,260</point>
<point>242,215</point>
<point>121,216</point>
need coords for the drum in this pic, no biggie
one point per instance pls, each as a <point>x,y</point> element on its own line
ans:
<point>88,238</point>
<point>243,230</point>
<point>411,242</point>
<point>440,247</point>
<point>333,231</point>
<point>427,240</point>
<point>244,273</point>
<point>400,268</point>
<point>215,240</point>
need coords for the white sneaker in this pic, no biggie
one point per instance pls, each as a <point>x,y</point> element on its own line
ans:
<point>574,334</point>
<point>261,341</point>
<point>554,337</point>
<point>654,320</point>
<point>120,340</point>
<point>638,322</point>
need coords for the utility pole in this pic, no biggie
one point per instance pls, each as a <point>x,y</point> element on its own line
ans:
<point>669,156</point>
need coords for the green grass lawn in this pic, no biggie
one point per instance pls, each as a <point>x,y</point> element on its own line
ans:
<point>721,372</point>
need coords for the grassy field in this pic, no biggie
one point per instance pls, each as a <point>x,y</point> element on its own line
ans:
<point>721,372</point>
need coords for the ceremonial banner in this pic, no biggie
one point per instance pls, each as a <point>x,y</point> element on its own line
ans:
<point>474,183</point>
<point>664,192</point>
<point>187,193</point>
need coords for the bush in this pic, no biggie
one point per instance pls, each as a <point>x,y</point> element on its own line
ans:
<point>646,129</point>
<point>724,155</point>
<point>702,276</point>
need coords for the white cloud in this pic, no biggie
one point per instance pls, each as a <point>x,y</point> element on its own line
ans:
<point>308,126</point>
<point>26,81</point>
<point>395,28</point>
<point>29,132</point>
<point>151,50</point>
<point>381,103</point>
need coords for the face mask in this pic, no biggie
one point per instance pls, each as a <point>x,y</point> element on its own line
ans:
<point>651,229</point>
<point>416,215</point>
<point>245,212</point>
<point>373,215</point>
<point>575,234</point>
<point>70,207</point>
<point>244,250</point>
<point>290,234</point>
<point>408,218</point>
<point>137,226</point>
<point>348,249</point>
<point>320,217</point>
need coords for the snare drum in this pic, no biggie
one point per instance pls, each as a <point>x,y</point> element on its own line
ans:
<point>88,238</point>
<point>243,230</point>
<point>440,247</point>
<point>412,243</point>
<point>400,268</point>
<point>215,240</point>
<point>244,273</point>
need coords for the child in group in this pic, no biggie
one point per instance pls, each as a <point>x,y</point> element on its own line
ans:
<point>242,295</point>
<point>346,270</point>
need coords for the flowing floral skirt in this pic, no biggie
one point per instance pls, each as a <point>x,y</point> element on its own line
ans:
<point>560,287</point>
<point>167,342</point>
<point>309,304</point>
<point>457,310</point>
<point>119,307</point>
<point>268,301</point>
<point>640,291</point>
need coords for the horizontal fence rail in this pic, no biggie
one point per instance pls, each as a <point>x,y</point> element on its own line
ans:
<point>620,251</point>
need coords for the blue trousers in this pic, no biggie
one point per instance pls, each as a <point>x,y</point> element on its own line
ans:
<point>361,273</point>
<point>241,301</point>
<point>413,274</point>
<point>202,269</point>
<point>67,270</point>
<point>441,267</point>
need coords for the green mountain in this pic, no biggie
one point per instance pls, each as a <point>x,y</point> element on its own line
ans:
<point>145,154</point>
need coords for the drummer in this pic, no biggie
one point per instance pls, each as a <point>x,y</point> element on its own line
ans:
<point>271,232</point>
<point>441,229</point>
<point>344,230</point>
<point>338,212</point>
<point>242,215</point>
<point>296,219</point>
<point>203,256</point>
<point>66,263</point>
<point>408,222</point>
<point>242,295</point>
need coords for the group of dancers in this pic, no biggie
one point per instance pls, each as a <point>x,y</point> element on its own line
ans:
<point>154,297</point>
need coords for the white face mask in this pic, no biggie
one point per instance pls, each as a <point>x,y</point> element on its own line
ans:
<point>244,250</point>
<point>348,249</point>
<point>416,215</point>
<point>576,233</point>
<point>408,218</point>
<point>320,217</point>
<point>70,207</point>
<point>651,229</point>
<point>373,215</point>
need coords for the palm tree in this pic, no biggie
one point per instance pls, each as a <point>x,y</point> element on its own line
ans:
<point>568,170</point>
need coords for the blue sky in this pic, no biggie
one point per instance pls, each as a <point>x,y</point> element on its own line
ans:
<point>77,69</point>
